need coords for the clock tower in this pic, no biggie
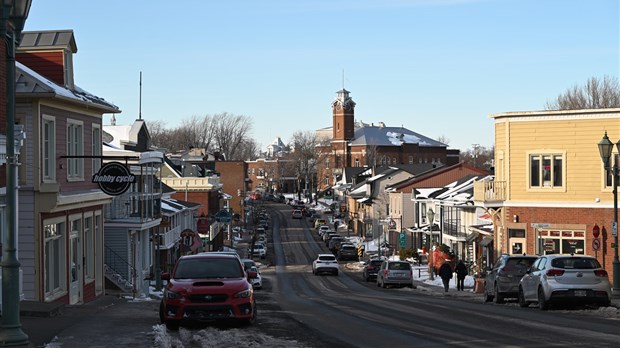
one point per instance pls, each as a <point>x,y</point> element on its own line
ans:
<point>343,108</point>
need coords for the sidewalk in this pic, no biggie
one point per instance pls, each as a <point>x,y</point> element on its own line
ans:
<point>94,324</point>
<point>468,293</point>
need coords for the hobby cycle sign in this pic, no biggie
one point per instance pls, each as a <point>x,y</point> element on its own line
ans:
<point>114,178</point>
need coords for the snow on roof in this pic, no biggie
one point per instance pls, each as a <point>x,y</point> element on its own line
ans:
<point>29,81</point>
<point>390,136</point>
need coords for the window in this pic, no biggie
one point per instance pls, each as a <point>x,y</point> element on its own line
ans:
<point>48,150</point>
<point>546,171</point>
<point>89,248</point>
<point>97,148</point>
<point>54,257</point>
<point>562,242</point>
<point>357,162</point>
<point>75,147</point>
<point>410,159</point>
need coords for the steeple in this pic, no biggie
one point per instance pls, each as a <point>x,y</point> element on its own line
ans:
<point>343,108</point>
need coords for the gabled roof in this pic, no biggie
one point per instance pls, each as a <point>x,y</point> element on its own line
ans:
<point>30,82</point>
<point>436,172</point>
<point>48,39</point>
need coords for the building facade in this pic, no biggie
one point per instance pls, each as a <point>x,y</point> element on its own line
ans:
<point>551,188</point>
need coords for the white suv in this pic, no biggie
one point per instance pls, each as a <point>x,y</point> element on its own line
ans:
<point>325,263</point>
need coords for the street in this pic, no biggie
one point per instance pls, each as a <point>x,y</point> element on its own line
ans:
<point>299,309</point>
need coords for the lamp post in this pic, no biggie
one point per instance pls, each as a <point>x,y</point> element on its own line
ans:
<point>605,147</point>
<point>430,215</point>
<point>14,14</point>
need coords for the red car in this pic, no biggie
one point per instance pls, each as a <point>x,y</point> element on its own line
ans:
<point>207,287</point>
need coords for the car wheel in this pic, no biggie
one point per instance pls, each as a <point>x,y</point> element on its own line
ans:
<point>487,297</point>
<point>543,305</point>
<point>522,302</point>
<point>499,298</point>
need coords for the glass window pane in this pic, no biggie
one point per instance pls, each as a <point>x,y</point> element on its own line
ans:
<point>534,171</point>
<point>557,171</point>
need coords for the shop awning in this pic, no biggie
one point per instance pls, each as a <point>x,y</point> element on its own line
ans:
<point>486,241</point>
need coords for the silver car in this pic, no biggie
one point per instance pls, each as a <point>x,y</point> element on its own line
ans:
<point>397,273</point>
<point>502,280</point>
<point>575,279</point>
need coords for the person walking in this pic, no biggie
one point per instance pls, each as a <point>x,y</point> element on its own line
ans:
<point>445,272</point>
<point>461,273</point>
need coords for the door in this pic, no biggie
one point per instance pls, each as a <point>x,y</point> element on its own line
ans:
<point>75,268</point>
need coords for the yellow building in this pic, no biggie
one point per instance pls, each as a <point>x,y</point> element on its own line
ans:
<point>551,187</point>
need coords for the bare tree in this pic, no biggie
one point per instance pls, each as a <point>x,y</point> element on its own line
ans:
<point>230,132</point>
<point>443,139</point>
<point>479,156</point>
<point>249,150</point>
<point>304,154</point>
<point>595,94</point>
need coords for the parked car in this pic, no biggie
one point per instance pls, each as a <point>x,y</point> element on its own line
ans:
<point>325,263</point>
<point>334,243</point>
<point>575,279</point>
<point>297,214</point>
<point>319,222</point>
<point>347,252</point>
<point>502,280</point>
<point>207,287</point>
<point>323,229</point>
<point>257,282</point>
<point>393,272</point>
<point>371,268</point>
<point>259,250</point>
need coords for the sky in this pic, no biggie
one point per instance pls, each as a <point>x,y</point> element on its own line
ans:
<point>436,67</point>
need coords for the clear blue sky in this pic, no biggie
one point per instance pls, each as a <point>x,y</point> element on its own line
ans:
<point>437,67</point>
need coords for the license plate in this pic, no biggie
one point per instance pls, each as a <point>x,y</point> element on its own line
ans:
<point>580,293</point>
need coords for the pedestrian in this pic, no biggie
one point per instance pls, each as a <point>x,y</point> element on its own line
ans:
<point>461,273</point>
<point>445,272</point>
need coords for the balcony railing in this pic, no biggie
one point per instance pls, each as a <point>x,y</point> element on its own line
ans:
<point>204,183</point>
<point>135,206</point>
<point>490,191</point>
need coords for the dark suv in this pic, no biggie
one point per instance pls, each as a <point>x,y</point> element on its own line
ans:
<point>503,279</point>
<point>207,287</point>
<point>370,269</point>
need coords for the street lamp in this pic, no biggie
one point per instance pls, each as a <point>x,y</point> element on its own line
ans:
<point>14,14</point>
<point>430,215</point>
<point>605,147</point>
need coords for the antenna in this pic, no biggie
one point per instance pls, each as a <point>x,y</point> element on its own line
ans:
<point>342,78</point>
<point>140,105</point>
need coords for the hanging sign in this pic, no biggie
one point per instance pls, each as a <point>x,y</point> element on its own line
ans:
<point>114,178</point>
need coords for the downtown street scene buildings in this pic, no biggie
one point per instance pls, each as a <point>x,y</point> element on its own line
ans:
<point>78,233</point>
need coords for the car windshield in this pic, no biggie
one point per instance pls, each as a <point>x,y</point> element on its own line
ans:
<point>519,263</point>
<point>575,262</point>
<point>327,258</point>
<point>208,268</point>
<point>399,265</point>
<point>376,263</point>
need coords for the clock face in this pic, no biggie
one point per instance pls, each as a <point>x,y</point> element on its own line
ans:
<point>347,106</point>
<point>338,106</point>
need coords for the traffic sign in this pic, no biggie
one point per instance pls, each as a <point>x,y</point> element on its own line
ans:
<point>402,239</point>
<point>614,229</point>
<point>596,244</point>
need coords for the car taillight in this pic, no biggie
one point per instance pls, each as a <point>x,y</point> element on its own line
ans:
<point>555,272</point>
<point>386,272</point>
<point>600,273</point>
